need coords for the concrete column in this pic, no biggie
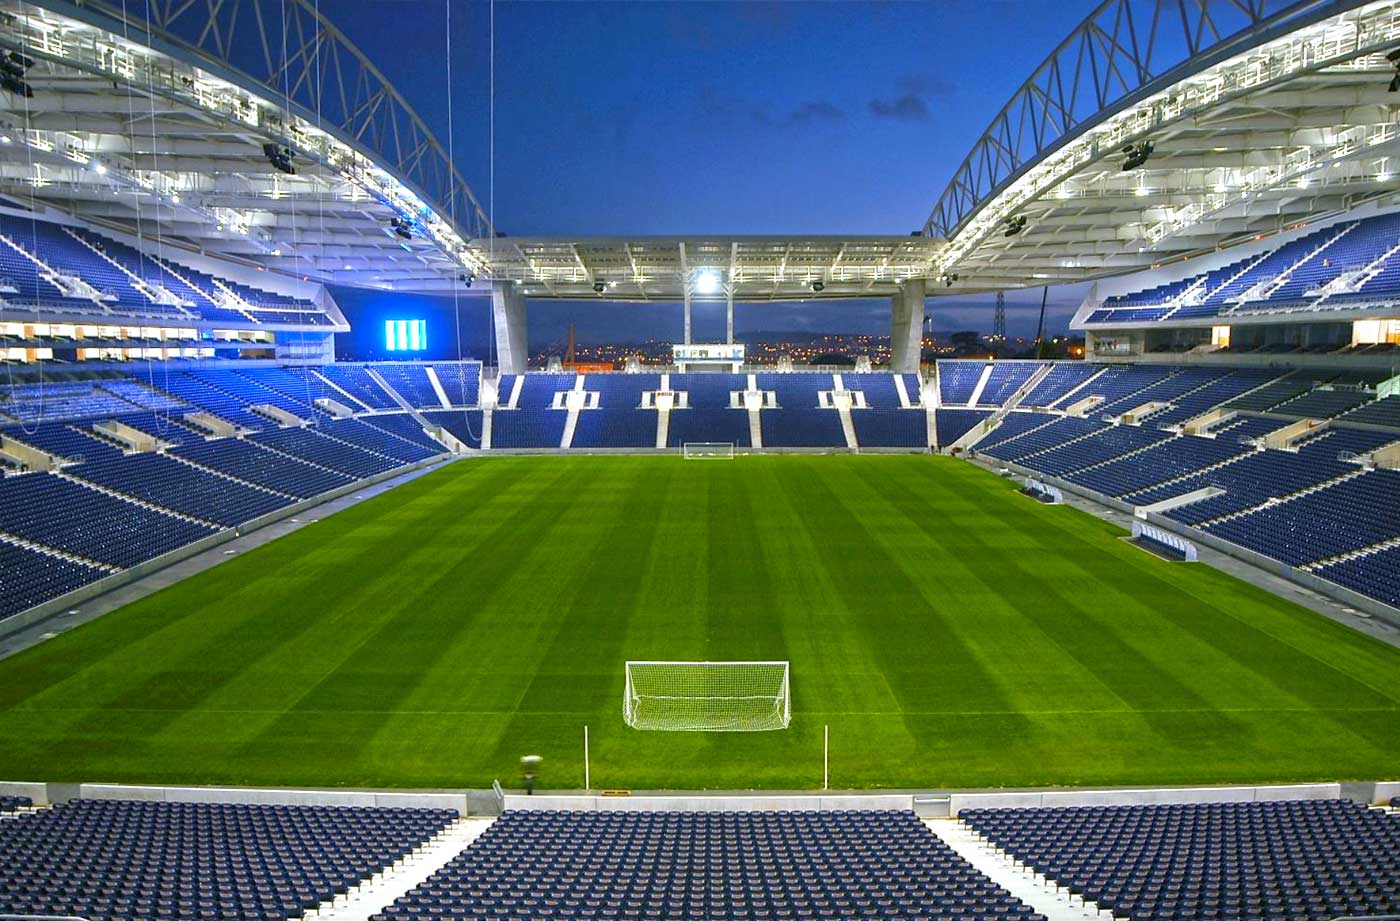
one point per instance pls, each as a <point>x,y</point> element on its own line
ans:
<point>729,314</point>
<point>686,339</point>
<point>508,315</point>
<point>907,326</point>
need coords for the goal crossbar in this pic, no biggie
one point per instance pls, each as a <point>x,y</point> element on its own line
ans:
<point>707,450</point>
<point>680,696</point>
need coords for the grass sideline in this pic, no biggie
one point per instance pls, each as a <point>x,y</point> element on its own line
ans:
<point>950,632</point>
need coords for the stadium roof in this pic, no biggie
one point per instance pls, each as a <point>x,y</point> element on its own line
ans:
<point>1252,117</point>
<point>157,124</point>
<point>661,268</point>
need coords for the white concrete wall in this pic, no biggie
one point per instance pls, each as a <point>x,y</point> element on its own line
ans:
<point>711,803</point>
<point>1028,800</point>
<point>457,801</point>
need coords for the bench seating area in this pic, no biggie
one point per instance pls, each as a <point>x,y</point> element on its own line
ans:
<point>114,860</point>
<point>1300,861</point>
<point>745,866</point>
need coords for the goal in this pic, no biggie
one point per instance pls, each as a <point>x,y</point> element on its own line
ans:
<point>708,450</point>
<point>707,696</point>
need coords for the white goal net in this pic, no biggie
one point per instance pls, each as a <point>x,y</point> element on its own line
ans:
<point>707,696</point>
<point>708,450</point>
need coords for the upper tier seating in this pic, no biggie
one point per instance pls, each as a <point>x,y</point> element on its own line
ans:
<point>111,860</point>
<point>958,379</point>
<point>460,380</point>
<point>1118,383</point>
<point>1337,266</point>
<point>62,399</point>
<point>614,866</point>
<point>1247,861</point>
<point>355,381</point>
<point>1007,378</point>
<point>410,381</point>
<point>1062,379</point>
<point>123,281</point>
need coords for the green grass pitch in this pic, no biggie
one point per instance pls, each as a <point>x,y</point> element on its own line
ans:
<point>949,631</point>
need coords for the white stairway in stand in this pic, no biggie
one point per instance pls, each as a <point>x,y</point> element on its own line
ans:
<point>1020,881</point>
<point>437,386</point>
<point>982,379</point>
<point>370,897</point>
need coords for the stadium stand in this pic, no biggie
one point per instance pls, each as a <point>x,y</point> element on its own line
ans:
<point>74,270</point>
<point>957,380</point>
<point>1303,860</point>
<point>411,382</point>
<point>56,512</point>
<point>166,482</point>
<point>188,483</point>
<point>953,424</point>
<point>105,860</point>
<point>742,865</point>
<point>15,803</point>
<point>460,380</point>
<point>246,460</point>
<point>32,578</point>
<point>891,428</point>
<point>619,421</point>
<point>708,417</point>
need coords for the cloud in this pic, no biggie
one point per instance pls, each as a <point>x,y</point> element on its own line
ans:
<point>817,111</point>
<point>908,108</point>
<point>923,85</point>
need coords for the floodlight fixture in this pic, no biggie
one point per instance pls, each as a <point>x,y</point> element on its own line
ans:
<point>1136,155</point>
<point>280,157</point>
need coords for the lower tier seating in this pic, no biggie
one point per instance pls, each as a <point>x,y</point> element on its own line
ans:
<point>1307,861</point>
<point>113,860</point>
<point>747,866</point>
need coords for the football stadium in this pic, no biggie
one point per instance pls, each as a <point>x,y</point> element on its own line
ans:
<point>305,614</point>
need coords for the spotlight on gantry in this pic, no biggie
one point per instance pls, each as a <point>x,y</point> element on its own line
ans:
<point>707,282</point>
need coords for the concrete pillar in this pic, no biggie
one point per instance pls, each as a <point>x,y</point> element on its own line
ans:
<point>686,338</point>
<point>907,326</point>
<point>508,316</point>
<point>729,314</point>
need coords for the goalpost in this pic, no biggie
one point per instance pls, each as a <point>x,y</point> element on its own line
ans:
<point>708,450</point>
<point>707,696</point>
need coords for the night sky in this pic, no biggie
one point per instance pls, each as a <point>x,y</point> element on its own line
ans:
<point>693,117</point>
